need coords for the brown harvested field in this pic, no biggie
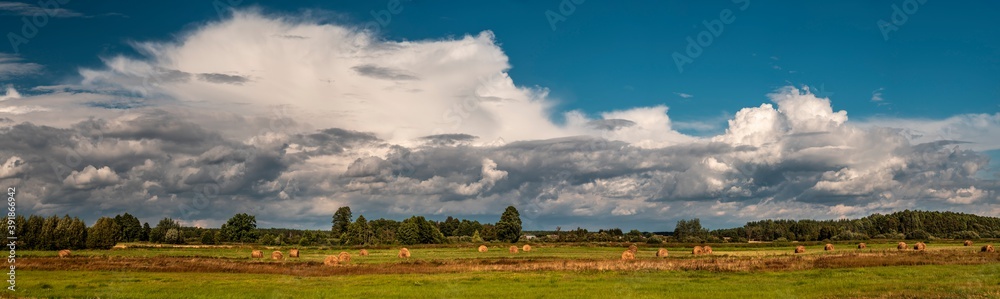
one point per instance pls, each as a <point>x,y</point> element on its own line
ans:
<point>719,263</point>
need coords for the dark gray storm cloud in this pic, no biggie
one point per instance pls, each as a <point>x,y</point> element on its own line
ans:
<point>223,78</point>
<point>610,124</point>
<point>157,163</point>
<point>448,139</point>
<point>380,72</point>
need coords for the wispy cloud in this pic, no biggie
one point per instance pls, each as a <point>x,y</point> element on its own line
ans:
<point>684,95</point>
<point>12,65</point>
<point>25,9</point>
<point>877,95</point>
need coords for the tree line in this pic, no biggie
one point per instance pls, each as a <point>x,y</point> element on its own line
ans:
<point>54,233</point>
<point>919,225</point>
<point>418,230</point>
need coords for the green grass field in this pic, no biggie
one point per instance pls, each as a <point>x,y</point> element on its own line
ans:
<point>946,270</point>
<point>466,251</point>
<point>905,281</point>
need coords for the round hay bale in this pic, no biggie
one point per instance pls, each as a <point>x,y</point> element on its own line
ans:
<point>661,253</point>
<point>828,247</point>
<point>256,254</point>
<point>526,247</point>
<point>344,257</point>
<point>363,252</point>
<point>277,255</point>
<point>331,260</point>
<point>987,248</point>
<point>483,248</point>
<point>698,250</point>
<point>800,249</point>
<point>920,246</point>
<point>513,249</point>
<point>967,243</point>
<point>64,253</point>
<point>862,245</point>
<point>633,248</point>
<point>707,249</point>
<point>293,253</point>
<point>901,246</point>
<point>404,253</point>
<point>628,255</point>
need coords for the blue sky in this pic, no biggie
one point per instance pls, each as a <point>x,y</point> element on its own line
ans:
<point>606,56</point>
<point>541,72</point>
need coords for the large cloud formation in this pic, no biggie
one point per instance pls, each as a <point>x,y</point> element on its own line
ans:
<point>238,116</point>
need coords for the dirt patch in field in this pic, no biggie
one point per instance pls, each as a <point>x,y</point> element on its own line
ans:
<point>316,268</point>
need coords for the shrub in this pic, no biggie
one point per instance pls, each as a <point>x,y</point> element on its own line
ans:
<point>208,238</point>
<point>918,235</point>
<point>892,236</point>
<point>173,236</point>
<point>966,234</point>
<point>849,235</point>
<point>692,239</point>
<point>266,239</point>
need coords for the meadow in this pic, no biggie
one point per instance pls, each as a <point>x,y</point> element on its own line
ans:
<point>761,270</point>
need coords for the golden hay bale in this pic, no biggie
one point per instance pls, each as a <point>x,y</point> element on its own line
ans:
<point>513,249</point>
<point>988,248</point>
<point>526,247</point>
<point>661,253</point>
<point>404,253</point>
<point>344,257</point>
<point>331,260</point>
<point>800,249</point>
<point>363,252</point>
<point>277,255</point>
<point>698,250</point>
<point>64,253</point>
<point>628,255</point>
<point>293,253</point>
<point>862,245</point>
<point>828,247</point>
<point>256,254</point>
<point>920,246</point>
<point>633,248</point>
<point>901,246</point>
<point>707,249</point>
<point>483,248</point>
<point>967,243</point>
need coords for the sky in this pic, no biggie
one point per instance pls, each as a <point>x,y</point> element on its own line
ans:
<point>579,113</point>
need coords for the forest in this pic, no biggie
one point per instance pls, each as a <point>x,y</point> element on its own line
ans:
<point>54,232</point>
